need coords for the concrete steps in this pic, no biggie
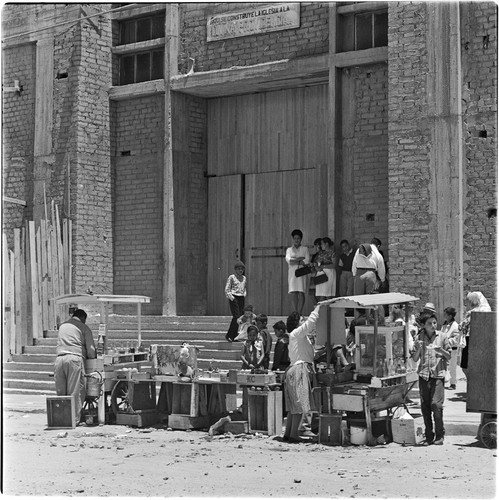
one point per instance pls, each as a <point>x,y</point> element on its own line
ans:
<point>29,372</point>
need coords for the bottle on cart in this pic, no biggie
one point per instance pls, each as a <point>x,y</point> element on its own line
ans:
<point>100,344</point>
<point>391,370</point>
<point>385,369</point>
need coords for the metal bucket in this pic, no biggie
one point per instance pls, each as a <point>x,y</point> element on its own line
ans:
<point>94,384</point>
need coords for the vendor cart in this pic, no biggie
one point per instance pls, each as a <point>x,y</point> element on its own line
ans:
<point>108,365</point>
<point>482,374</point>
<point>365,389</point>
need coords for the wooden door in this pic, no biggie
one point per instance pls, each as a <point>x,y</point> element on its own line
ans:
<point>224,237</point>
<point>275,204</point>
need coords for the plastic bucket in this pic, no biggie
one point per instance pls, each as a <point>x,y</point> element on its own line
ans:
<point>358,435</point>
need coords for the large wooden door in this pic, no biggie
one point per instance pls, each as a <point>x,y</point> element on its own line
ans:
<point>267,156</point>
<point>224,237</point>
<point>275,204</point>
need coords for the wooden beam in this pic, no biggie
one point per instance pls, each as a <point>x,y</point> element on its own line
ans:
<point>332,125</point>
<point>360,57</point>
<point>134,47</point>
<point>135,90</point>
<point>137,11</point>
<point>358,7</point>
<point>14,200</point>
<point>238,80</point>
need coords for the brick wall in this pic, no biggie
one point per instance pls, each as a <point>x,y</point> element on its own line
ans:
<point>310,38</point>
<point>18,135</point>
<point>191,203</point>
<point>370,154</point>
<point>91,176</point>
<point>410,144</point>
<point>408,172</point>
<point>137,131</point>
<point>479,88</point>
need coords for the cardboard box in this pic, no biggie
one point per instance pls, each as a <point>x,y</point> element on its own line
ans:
<point>409,430</point>
<point>244,378</point>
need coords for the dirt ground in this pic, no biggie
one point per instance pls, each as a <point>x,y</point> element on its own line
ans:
<point>118,461</point>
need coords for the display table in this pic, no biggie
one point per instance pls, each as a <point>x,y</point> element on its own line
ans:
<point>193,404</point>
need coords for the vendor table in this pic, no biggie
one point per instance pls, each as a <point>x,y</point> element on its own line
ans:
<point>193,404</point>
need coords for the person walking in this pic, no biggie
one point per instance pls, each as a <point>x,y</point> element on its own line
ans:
<point>75,344</point>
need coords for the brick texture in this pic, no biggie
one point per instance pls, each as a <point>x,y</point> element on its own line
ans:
<point>479,90</point>
<point>137,146</point>
<point>410,142</point>
<point>311,38</point>
<point>18,135</point>
<point>370,156</point>
<point>191,202</point>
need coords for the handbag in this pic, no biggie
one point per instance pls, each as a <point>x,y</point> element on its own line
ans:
<point>320,278</point>
<point>303,271</point>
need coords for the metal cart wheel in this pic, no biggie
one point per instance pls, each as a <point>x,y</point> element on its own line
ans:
<point>488,435</point>
<point>120,402</point>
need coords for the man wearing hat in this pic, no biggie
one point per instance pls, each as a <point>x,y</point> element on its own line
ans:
<point>235,291</point>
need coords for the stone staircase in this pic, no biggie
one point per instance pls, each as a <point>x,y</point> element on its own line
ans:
<point>31,372</point>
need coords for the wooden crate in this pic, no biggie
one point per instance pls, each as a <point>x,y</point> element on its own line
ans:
<point>265,412</point>
<point>141,418</point>
<point>184,422</point>
<point>61,413</point>
<point>237,427</point>
<point>330,429</point>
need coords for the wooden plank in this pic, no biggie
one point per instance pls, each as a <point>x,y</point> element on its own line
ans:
<point>37,330</point>
<point>12,323</point>
<point>65,252</point>
<point>7,294</point>
<point>18,290</point>
<point>70,255</point>
<point>43,309</point>
<point>29,286</point>
<point>60,261</point>
<point>46,283</point>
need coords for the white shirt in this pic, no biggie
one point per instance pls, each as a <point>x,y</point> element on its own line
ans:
<point>374,262</point>
<point>300,348</point>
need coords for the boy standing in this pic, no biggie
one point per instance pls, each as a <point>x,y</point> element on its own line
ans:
<point>433,350</point>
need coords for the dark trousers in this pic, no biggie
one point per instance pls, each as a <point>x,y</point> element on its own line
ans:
<point>432,394</point>
<point>236,309</point>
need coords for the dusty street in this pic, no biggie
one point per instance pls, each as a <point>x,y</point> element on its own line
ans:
<point>120,461</point>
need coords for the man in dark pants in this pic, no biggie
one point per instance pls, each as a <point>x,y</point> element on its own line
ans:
<point>75,344</point>
<point>433,350</point>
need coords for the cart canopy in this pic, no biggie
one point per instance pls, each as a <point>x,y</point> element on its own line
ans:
<point>84,298</point>
<point>369,301</point>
